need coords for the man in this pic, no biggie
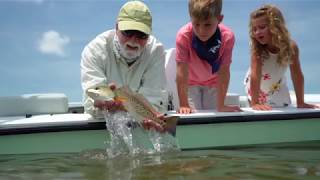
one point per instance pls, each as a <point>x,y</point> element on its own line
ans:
<point>127,55</point>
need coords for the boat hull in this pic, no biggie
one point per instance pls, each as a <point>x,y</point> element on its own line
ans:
<point>204,131</point>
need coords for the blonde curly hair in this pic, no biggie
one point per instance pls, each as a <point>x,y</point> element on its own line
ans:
<point>279,32</point>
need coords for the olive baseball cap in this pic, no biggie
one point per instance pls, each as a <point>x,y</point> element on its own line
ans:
<point>135,15</point>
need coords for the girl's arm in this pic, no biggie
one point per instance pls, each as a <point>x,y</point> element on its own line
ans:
<point>298,79</point>
<point>182,87</point>
<point>255,80</point>
<point>297,76</point>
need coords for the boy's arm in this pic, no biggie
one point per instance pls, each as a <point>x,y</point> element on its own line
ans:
<point>222,89</point>
<point>224,75</point>
<point>182,87</point>
<point>223,83</point>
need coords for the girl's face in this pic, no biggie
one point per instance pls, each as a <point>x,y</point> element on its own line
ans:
<point>261,31</point>
<point>204,29</point>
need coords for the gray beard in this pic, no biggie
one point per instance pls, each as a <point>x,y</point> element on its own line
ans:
<point>119,53</point>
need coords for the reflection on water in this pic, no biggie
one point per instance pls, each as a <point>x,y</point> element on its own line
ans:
<point>127,138</point>
<point>295,161</point>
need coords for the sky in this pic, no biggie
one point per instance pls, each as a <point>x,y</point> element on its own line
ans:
<point>41,40</point>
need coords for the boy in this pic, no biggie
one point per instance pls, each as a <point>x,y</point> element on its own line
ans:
<point>203,55</point>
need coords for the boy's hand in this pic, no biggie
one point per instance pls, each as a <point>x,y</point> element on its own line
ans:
<point>226,108</point>
<point>305,105</point>
<point>185,110</point>
<point>261,107</point>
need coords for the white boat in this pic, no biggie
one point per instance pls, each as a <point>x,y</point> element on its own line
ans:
<point>47,123</point>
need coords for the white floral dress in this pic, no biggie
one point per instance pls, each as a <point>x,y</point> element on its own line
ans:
<point>273,87</point>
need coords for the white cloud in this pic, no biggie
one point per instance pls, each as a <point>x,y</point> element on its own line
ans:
<point>52,42</point>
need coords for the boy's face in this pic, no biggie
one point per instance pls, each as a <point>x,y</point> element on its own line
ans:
<point>204,29</point>
<point>261,31</point>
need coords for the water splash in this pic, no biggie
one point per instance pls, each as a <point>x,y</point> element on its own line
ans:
<point>163,142</point>
<point>128,138</point>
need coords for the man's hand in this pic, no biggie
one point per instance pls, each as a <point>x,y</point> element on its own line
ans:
<point>110,106</point>
<point>150,124</point>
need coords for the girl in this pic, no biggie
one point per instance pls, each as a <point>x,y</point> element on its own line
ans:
<point>272,52</point>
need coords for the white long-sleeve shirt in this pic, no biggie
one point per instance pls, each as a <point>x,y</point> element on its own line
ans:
<point>101,66</point>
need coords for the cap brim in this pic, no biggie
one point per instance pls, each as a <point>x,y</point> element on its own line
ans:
<point>129,25</point>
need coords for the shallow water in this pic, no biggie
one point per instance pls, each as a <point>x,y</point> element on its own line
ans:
<point>293,161</point>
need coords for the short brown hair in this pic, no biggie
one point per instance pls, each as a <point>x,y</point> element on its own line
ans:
<point>204,9</point>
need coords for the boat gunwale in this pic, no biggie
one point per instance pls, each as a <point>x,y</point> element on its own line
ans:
<point>183,121</point>
<point>248,118</point>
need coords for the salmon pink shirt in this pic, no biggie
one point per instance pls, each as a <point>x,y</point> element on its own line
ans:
<point>200,71</point>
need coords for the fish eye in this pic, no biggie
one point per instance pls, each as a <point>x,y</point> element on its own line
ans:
<point>96,88</point>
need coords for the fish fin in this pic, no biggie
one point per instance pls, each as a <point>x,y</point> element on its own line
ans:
<point>146,103</point>
<point>127,89</point>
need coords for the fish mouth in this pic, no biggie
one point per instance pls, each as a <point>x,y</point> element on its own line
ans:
<point>92,94</point>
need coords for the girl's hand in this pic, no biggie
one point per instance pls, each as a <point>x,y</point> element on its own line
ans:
<point>261,107</point>
<point>305,105</point>
<point>185,110</point>
<point>226,108</point>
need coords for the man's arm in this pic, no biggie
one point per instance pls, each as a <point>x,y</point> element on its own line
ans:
<point>153,82</point>
<point>92,73</point>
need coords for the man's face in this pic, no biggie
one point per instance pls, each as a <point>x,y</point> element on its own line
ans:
<point>132,43</point>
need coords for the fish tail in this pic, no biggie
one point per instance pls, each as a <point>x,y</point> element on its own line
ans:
<point>171,122</point>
